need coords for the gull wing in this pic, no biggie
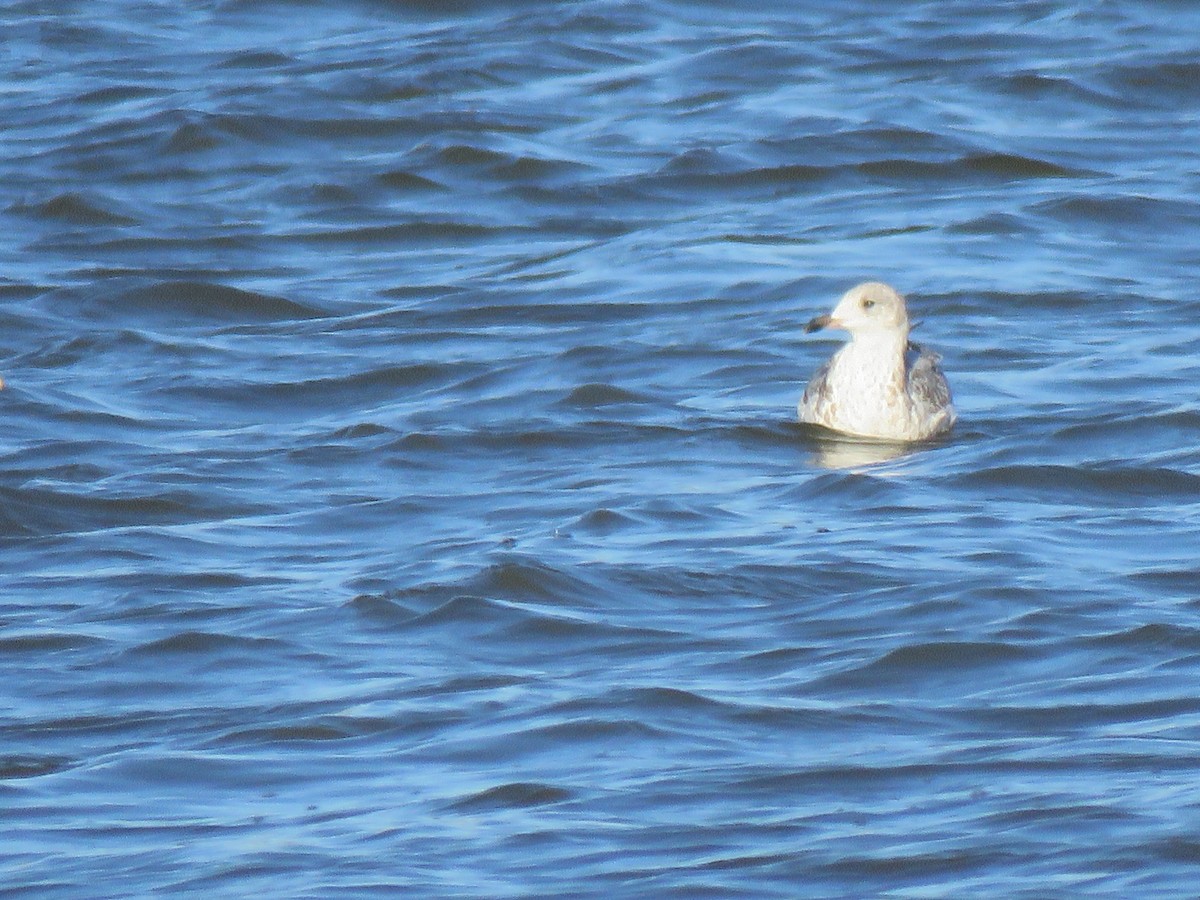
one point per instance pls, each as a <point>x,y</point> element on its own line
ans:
<point>817,395</point>
<point>927,385</point>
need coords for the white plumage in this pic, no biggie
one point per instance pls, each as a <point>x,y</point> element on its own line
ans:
<point>879,385</point>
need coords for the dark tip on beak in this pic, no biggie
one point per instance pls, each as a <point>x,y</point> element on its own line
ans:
<point>817,324</point>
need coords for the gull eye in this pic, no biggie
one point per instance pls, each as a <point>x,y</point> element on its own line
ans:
<point>867,304</point>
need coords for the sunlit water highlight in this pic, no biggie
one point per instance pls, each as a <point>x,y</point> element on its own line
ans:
<point>400,492</point>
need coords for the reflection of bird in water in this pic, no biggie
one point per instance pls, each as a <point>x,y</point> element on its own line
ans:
<point>879,385</point>
<point>831,451</point>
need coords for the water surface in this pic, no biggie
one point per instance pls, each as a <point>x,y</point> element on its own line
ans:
<point>399,484</point>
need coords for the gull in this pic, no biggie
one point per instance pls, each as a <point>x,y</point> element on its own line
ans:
<point>880,385</point>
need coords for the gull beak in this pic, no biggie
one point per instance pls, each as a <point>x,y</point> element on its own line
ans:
<point>820,322</point>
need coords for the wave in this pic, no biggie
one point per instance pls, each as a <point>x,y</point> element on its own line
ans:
<point>193,302</point>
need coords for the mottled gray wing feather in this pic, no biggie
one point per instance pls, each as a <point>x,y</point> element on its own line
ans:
<point>926,382</point>
<point>816,394</point>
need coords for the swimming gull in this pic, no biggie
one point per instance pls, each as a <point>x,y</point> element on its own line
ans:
<point>880,385</point>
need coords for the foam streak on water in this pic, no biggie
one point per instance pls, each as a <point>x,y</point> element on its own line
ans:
<point>399,491</point>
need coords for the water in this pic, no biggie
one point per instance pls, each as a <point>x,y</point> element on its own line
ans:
<point>399,489</point>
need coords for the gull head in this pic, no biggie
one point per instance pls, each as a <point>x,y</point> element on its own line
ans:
<point>869,308</point>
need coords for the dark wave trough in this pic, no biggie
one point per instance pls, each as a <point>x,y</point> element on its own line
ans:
<point>400,488</point>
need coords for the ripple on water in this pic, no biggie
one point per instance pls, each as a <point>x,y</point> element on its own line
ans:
<point>401,487</point>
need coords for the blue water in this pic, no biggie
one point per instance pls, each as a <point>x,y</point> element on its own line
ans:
<point>400,492</point>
